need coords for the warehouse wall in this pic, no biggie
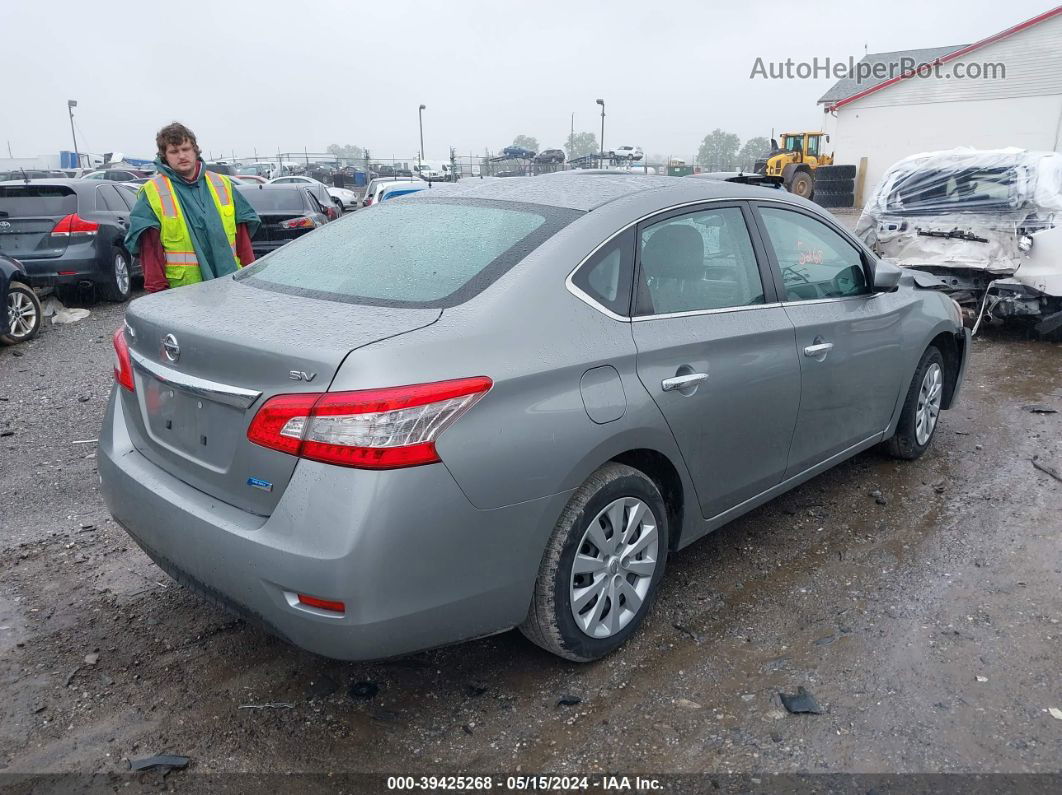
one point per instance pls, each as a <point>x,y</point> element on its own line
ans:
<point>1023,109</point>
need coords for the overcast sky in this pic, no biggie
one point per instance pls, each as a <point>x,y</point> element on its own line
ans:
<point>283,75</point>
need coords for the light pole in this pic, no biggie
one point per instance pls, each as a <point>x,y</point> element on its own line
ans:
<point>70,105</point>
<point>601,102</point>
<point>420,114</point>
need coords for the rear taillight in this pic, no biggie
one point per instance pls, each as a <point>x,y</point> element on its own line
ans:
<point>298,223</point>
<point>75,226</point>
<point>123,365</point>
<point>369,429</point>
<point>367,202</point>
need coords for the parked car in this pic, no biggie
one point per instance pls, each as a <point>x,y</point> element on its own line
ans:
<point>988,224</point>
<point>221,168</point>
<point>518,152</point>
<point>343,199</point>
<point>117,174</point>
<point>70,232</point>
<point>632,153</point>
<point>508,406</point>
<point>250,179</point>
<point>262,169</point>
<point>430,171</point>
<point>372,190</point>
<point>20,308</point>
<point>550,156</point>
<point>287,212</point>
<point>396,189</point>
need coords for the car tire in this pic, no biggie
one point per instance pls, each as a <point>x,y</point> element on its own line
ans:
<point>824,199</point>
<point>119,285</point>
<point>609,581</point>
<point>921,407</point>
<point>24,314</point>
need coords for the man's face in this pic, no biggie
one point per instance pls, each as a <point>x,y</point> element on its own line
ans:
<point>181,157</point>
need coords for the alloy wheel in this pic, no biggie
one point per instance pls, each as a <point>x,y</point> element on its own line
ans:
<point>21,314</point>
<point>121,273</point>
<point>929,397</point>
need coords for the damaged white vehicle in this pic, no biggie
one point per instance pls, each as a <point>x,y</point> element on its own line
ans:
<point>988,223</point>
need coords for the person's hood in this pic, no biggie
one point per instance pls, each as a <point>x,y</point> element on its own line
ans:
<point>163,168</point>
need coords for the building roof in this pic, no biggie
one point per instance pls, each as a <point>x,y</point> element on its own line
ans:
<point>950,54</point>
<point>893,62</point>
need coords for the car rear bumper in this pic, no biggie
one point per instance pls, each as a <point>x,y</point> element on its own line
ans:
<point>57,271</point>
<point>415,564</point>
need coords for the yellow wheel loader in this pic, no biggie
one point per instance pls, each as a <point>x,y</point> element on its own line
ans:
<point>795,161</point>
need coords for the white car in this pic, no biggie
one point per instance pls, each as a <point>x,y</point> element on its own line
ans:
<point>372,192</point>
<point>344,199</point>
<point>628,153</point>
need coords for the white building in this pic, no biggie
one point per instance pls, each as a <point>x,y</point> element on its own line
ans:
<point>1005,90</point>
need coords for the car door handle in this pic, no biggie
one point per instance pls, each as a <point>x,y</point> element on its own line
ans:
<point>683,381</point>
<point>818,349</point>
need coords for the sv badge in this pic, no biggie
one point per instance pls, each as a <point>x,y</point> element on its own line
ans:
<point>300,375</point>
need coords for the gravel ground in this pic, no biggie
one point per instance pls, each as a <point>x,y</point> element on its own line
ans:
<point>926,627</point>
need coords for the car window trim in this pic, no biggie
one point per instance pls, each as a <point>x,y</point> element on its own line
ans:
<point>865,257</point>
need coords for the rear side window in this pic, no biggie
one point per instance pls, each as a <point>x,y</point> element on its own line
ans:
<point>28,201</point>
<point>608,274</point>
<point>107,198</point>
<point>699,261</point>
<point>427,252</point>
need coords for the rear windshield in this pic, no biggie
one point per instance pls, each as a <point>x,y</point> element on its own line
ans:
<point>274,201</point>
<point>22,201</point>
<point>421,252</point>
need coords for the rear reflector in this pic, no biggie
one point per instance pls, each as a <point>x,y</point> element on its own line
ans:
<point>323,604</point>
<point>123,365</point>
<point>368,429</point>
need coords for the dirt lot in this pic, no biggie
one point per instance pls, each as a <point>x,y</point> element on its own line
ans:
<point>927,626</point>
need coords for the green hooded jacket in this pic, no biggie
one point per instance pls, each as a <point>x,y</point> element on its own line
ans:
<point>204,224</point>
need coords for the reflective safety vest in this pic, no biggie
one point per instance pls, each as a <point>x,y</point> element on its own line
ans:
<point>182,265</point>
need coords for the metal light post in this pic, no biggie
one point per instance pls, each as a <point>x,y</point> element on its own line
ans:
<point>601,102</point>
<point>420,114</point>
<point>70,105</point>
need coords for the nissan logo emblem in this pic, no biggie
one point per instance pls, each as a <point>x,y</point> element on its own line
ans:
<point>171,348</point>
<point>4,225</point>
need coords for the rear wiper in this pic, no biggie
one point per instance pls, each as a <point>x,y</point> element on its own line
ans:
<point>959,234</point>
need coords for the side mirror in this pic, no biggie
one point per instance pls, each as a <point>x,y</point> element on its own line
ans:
<point>886,276</point>
<point>774,144</point>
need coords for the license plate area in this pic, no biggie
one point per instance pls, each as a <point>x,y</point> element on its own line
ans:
<point>191,425</point>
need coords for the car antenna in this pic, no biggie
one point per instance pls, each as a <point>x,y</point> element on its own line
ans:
<point>23,170</point>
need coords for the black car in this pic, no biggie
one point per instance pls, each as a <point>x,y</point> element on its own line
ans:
<point>20,309</point>
<point>550,156</point>
<point>287,211</point>
<point>69,232</point>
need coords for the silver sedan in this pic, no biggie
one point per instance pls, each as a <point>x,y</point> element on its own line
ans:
<point>505,406</point>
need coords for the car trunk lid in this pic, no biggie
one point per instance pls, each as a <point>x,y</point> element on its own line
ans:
<point>28,214</point>
<point>205,359</point>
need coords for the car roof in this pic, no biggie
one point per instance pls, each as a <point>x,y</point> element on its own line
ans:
<point>586,192</point>
<point>274,186</point>
<point>72,183</point>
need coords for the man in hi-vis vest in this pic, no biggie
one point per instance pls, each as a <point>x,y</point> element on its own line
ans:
<point>189,224</point>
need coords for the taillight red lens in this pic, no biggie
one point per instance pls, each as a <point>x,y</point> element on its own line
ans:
<point>123,365</point>
<point>298,223</point>
<point>74,225</point>
<point>368,429</point>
